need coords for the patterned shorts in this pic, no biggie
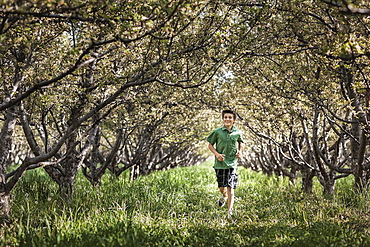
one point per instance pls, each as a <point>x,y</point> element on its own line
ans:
<point>227,177</point>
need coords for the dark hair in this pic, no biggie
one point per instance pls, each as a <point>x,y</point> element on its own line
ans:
<point>229,111</point>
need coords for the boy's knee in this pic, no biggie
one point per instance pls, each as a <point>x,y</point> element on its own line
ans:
<point>223,190</point>
<point>230,191</point>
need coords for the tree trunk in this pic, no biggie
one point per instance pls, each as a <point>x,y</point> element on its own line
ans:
<point>5,147</point>
<point>134,172</point>
<point>4,200</point>
<point>5,207</point>
<point>328,183</point>
<point>329,187</point>
<point>64,173</point>
<point>358,140</point>
<point>66,187</point>
<point>70,165</point>
<point>359,171</point>
<point>307,176</point>
<point>6,138</point>
<point>65,179</point>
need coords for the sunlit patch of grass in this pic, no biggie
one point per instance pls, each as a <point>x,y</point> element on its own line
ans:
<point>178,208</point>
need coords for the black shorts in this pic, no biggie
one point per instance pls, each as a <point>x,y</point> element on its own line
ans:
<point>227,177</point>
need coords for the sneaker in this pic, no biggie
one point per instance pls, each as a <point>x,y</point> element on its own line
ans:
<point>230,213</point>
<point>222,201</point>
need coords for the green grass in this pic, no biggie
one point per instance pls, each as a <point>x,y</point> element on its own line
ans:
<point>178,208</point>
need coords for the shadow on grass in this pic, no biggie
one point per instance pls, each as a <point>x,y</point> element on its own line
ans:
<point>229,232</point>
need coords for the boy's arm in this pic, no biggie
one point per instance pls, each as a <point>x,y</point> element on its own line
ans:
<point>240,150</point>
<point>218,156</point>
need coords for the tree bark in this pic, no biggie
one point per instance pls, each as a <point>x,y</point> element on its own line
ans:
<point>329,186</point>
<point>6,138</point>
<point>5,147</point>
<point>307,177</point>
<point>358,140</point>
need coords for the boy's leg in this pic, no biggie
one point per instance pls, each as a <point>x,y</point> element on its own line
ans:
<point>230,199</point>
<point>223,199</point>
<point>221,182</point>
<point>223,191</point>
<point>230,190</point>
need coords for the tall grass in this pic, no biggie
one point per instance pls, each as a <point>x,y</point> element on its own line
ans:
<point>178,208</point>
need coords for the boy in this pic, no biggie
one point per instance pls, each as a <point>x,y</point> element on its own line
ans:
<point>228,150</point>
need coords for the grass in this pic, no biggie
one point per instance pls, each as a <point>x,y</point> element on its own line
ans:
<point>178,208</point>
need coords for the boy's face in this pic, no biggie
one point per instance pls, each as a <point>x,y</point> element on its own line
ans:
<point>229,120</point>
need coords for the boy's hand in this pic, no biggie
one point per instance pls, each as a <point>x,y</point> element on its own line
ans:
<point>238,154</point>
<point>220,157</point>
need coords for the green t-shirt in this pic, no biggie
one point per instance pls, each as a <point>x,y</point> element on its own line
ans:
<point>226,143</point>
